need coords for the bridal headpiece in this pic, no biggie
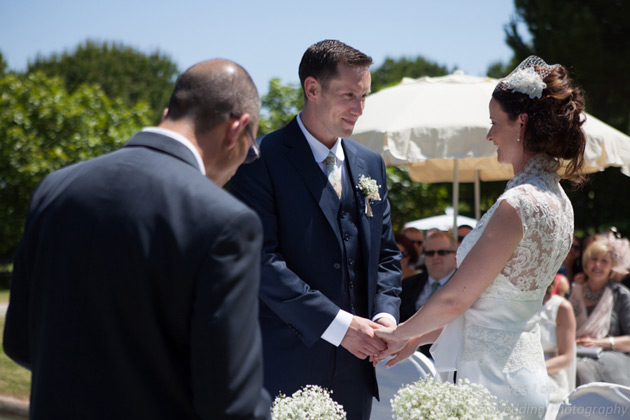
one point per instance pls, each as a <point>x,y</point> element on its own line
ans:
<point>528,77</point>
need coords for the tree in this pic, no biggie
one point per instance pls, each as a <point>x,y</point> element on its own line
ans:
<point>121,71</point>
<point>392,71</point>
<point>411,200</point>
<point>591,40</point>
<point>3,65</point>
<point>43,127</point>
<point>280,105</point>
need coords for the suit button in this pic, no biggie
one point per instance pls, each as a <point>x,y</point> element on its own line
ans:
<point>343,214</point>
<point>337,266</point>
<point>346,237</point>
<point>350,261</point>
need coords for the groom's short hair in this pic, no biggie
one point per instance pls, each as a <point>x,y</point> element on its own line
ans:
<point>320,60</point>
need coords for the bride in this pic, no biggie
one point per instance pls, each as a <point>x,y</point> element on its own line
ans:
<point>484,322</point>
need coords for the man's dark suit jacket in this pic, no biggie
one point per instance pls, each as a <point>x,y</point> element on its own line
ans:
<point>411,288</point>
<point>301,285</point>
<point>134,292</point>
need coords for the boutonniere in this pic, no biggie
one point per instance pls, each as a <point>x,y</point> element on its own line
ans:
<point>369,188</point>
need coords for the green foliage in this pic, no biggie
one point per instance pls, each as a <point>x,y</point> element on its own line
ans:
<point>43,128</point>
<point>392,71</point>
<point>498,70</point>
<point>121,71</point>
<point>280,105</point>
<point>411,200</point>
<point>3,65</point>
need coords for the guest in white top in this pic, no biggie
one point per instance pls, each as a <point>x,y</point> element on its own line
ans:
<point>557,334</point>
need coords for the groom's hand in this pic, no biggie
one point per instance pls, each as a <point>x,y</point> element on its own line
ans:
<point>360,339</point>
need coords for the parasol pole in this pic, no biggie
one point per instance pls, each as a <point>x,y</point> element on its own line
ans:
<point>477,194</point>
<point>455,196</point>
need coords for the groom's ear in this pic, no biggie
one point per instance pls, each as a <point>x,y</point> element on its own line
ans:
<point>312,88</point>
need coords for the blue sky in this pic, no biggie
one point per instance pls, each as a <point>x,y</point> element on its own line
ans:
<point>268,37</point>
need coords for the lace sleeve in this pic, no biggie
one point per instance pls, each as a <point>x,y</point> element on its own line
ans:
<point>546,231</point>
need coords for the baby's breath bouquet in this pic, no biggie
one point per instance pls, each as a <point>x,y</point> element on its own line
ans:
<point>432,400</point>
<point>309,403</point>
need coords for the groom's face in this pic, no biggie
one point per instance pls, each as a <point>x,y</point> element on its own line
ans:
<point>342,100</point>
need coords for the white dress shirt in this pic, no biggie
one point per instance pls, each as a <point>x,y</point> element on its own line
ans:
<point>424,296</point>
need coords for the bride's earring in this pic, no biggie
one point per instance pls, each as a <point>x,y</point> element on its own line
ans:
<point>518,138</point>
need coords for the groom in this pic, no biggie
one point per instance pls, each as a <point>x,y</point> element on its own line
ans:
<point>330,267</point>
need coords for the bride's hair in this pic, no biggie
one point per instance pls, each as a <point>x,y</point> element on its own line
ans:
<point>554,125</point>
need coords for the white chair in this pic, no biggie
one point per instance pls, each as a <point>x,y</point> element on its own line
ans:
<point>597,400</point>
<point>418,366</point>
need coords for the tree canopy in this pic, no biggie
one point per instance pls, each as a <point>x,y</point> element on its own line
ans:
<point>43,127</point>
<point>393,70</point>
<point>121,72</point>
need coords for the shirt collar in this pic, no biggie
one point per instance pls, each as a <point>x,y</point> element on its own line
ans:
<point>320,152</point>
<point>443,280</point>
<point>183,140</point>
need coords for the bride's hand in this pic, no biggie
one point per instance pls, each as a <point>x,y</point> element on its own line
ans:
<point>392,340</point>
<point>409,349</point>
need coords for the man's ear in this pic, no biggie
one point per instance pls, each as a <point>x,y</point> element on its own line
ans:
<point>235,128</point>
<point>312,88</point>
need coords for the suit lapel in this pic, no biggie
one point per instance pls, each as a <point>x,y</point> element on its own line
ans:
<point>356,168</point>
<point>301,157</point>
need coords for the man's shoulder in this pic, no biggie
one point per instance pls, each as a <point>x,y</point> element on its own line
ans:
<point>278,137</point>
<point>356,148</point>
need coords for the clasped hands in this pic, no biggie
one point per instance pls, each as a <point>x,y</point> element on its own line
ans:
<point>377,341</point>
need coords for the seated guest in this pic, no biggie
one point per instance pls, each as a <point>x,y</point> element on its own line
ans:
<point>560,285</point>
<point>602,312</point>
<point>557,326</point>
<point>416,236</point>
<point>409,255</point>
<point>462,231</point>
<point>572,264</point>
<point>439,258</point>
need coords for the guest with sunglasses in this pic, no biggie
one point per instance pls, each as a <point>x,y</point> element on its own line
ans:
<point>439,258</point>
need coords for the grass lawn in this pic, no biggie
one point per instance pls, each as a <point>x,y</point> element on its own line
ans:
<point>15,381</point>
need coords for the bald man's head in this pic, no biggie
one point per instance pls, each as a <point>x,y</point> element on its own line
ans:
<point>209,92</point>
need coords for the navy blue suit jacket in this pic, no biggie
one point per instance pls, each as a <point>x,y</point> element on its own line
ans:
<point>301,280</point>
<point>134,292</point>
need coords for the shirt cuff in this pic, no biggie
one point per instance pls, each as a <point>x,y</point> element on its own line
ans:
<point>337,329</point>
<point>385,315</point>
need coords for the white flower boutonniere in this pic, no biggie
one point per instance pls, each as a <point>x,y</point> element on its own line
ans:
<point>369,188</point>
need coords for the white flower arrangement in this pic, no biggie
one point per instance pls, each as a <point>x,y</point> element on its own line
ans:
<point>432,400</point>
<point>526,81</point>
<point>309,403</point>
<point>369,188</point>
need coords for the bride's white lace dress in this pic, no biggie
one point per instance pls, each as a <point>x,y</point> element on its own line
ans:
<point>496,342</point>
